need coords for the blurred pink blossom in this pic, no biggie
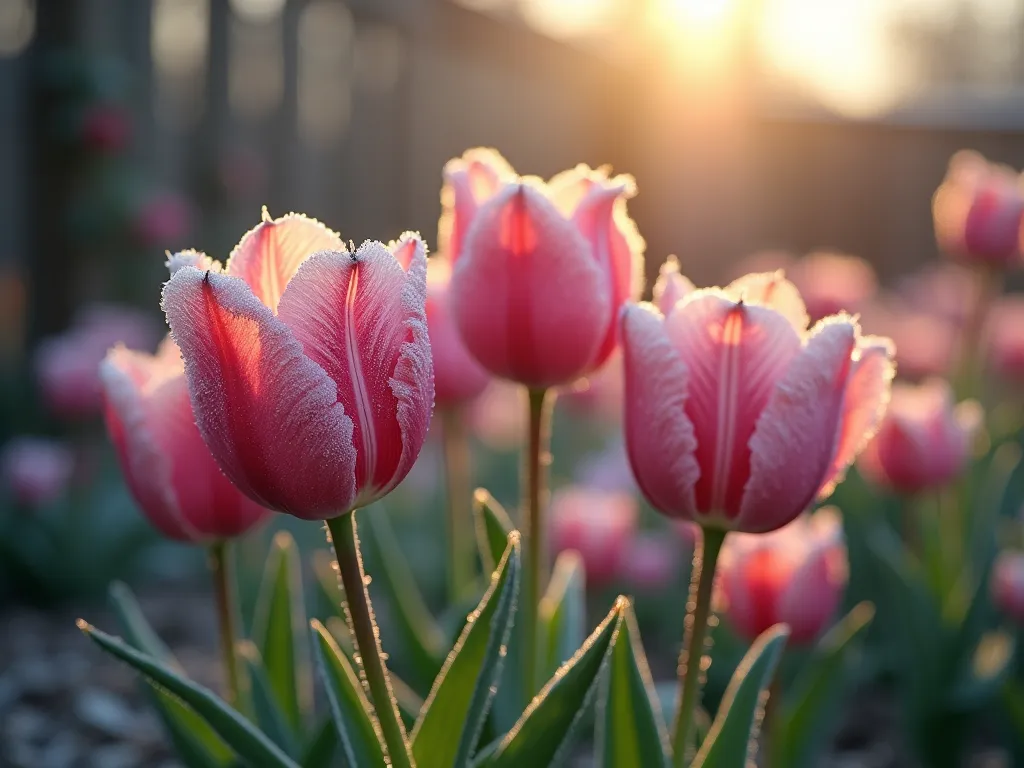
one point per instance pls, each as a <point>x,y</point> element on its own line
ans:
<point>163,220</point>
<point>106,128</point>
<point>67,365</point>
<point>1005,337</point>
<point>651,561</point>
<point>795,575</point>
<point>832,282</point>
<point>36,470</point>
<point>498,416</point>
<point>458,377</point>
<point>945,290</point>
<point>926,344</point>
<point>597,524</point>
<point>924,440</point>
<point>1007,584</point>
<point>978,210</point>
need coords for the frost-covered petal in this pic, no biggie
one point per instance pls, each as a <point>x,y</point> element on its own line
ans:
<point>794,442</point>
<point>530,302</point>
<point>270,415</point>
<point>735,354</point>
<point>672,286</point>
<point>771,289</point>
<point>269,254</point>
<point>360,317</point>
<point>660,438</point>
<point>469,182</point>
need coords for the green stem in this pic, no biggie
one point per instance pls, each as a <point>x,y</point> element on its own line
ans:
<point>226,601</point>
<point>690,656</point>
<point>459,519</point>
<point>537,460</point>
<point>364,628</point>
<point>770,724</point>
<point>988,286</point>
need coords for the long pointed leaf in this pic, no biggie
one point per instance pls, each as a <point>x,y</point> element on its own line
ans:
<point>563,612</point>
<point>320,751</point>
<point>271,720</point>
<point>237,732</point>
<point>352,712</point>
<point>492,528</point>
<point>544,733</point>
<point>421,637</point>
<point>279,631</point>
<point>735,726</point>
<point>461,696</point>
<point>195,743</point>
<point>819,689</point>
<point>630,728</point>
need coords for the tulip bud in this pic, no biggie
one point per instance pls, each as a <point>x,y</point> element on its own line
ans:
<point>737,417</point>
<point>596,524</point>
<point>169,470</point>
<point>1007,585</point>
<point>924,440</point>
<point>1005,338</point>
<point>795,575</point>
<point>308,365</point>
<point>36,470</point>
<point>672,286</point>
<point>978,210</point>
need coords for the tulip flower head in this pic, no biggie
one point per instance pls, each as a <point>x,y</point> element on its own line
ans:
<point>737,416</point>
<point>924,440</point>
<point>597,524</point>
<point>35,470</point>
<point>1007,584</point>
<point>540,270</point>
<point>795,575</point>
<point>168,468</point>
<point>1005,338</point>
<point>672,286</point>
<point>308,364</point>
<point>458,378</point>
<point>979,210</point>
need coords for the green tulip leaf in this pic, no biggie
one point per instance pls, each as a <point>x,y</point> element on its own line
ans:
<point>195,742</point>
<point>279,631</point>
<point>269,717</point>
<point>352,712</point>
<point>631,730</point>
<point>544,733</point>
<point>462,694</point>
<point>492,528</point>
<point>563,612</point>
<point>735,726</point>
<point>322,747</point>
<point>235,730</point>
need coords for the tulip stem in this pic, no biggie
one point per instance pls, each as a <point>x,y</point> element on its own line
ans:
<point>459,519</point>
<point>690,657</point>
<point>538,459</point>
<point>221,561</point>
<point>364,628</point>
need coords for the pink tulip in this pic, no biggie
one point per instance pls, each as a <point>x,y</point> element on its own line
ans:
<point>167,466</point>
<point>308,365</point>
<point>737,416</point>
<point>833,282</point>
<point>596,524</point>
<point>1005,337</point>
<point>672,286</point>
<point>67,365</point>
<point>1007,584</point>
<point>979,210</point>
<point>36,470</point>
<point>924,440</point>
<point>795,575</point>
<point>540,270</point>
<point>458,378</point>
<point>651,561</point>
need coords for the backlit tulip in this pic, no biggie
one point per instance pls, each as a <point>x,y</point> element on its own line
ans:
<point>308,365</point>
<point>540,269</point>
<point>597,524</point>
<point>795,575</point>
<point>1005,337</point>
<point>979,209</point>
<point>35,470</point>
<point>458,378</point>
<point>830,283</point>
<point>924,440</point>
<point>672,286</point>
<point>1007,584</point>
<point>168,468</point>
<point>737,416</point>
